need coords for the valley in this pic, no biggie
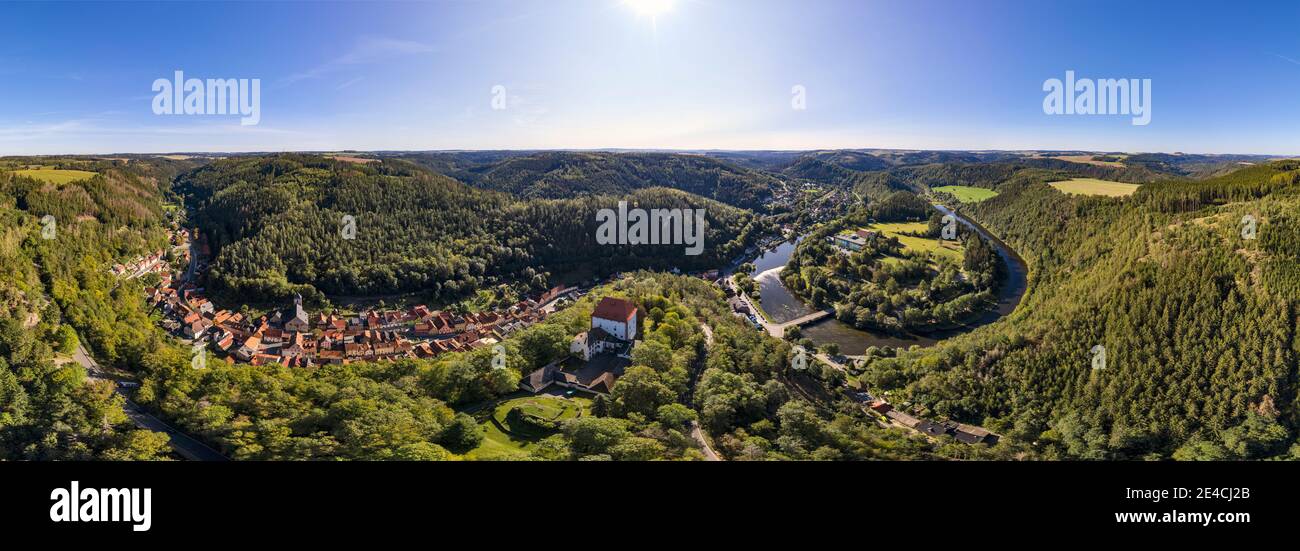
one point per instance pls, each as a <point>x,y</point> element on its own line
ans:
<point>914,302</point>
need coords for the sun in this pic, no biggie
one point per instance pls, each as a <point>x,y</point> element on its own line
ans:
<point>651,8</point>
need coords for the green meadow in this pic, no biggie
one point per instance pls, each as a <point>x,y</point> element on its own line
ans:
<point>54,175</point>
<point>1093,186</point>
<point>968,194</point>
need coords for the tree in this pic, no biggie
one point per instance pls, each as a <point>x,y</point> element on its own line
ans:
<point>594,435</point>
<point>67,339</point>
<point>600,406</point>
<point>637,448</point>
<point>640,390</point>
<point>1255,437</point>
<point>675,415</point>
<point>422,451</point>
<point>653,354</point>
<point>462,434</point>
<point>1200,450</point>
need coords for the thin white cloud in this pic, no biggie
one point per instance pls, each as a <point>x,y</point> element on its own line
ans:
<point>1280,56</point>
<point>367,50</point>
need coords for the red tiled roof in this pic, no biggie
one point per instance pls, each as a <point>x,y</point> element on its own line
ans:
<point>616,309</point>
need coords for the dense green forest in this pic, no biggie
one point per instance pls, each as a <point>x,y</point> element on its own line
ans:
<point>276,226</point>
<point>55,291</point>
<point>1198,324</point>
<point>565,175</point>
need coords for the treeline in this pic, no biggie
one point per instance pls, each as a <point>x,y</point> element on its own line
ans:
<point>1242,185</point>
<point>1196,324</point>
<point>278,228</point>
<point>992,175</point>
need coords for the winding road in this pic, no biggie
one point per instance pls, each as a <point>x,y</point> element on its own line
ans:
<point>187,446</point>
<point>696,433</point>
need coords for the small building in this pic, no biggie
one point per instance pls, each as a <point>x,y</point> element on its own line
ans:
<point>865,234</point>
<point>970,434</point>
<point>196,329</point>
<point>596,341</point>
<point>849,242</point>
<point>251,346</point>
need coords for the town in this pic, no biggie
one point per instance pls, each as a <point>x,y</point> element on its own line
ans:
<point>295,338</point>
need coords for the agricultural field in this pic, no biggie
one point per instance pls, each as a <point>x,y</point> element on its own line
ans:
<point>54,175</point>
<point>1088,160</point>
<point>504,437</point>
<point>944,249</point>
<point>1093,186</point>
<point>968,194</point>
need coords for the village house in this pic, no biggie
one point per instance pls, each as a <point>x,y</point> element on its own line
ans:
<point>251,347</point>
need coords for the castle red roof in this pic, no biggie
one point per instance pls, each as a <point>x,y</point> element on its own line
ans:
<point>616,309</point>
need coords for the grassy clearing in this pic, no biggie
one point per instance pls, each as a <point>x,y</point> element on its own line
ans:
<point>501,438</point>
<point>1093,186</point>
<point>968,194</point>
<point>945,249</point>
<point>55,176</point>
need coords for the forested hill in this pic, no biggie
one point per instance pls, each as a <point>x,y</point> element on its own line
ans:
<point>275,224</point>
<point>563,174</point>
<point>1198,324</point>
<point>55,287</point>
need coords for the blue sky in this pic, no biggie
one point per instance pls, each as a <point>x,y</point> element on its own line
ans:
<point>707,74</point>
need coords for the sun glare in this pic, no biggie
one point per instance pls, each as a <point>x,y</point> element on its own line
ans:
<point>651,8</point>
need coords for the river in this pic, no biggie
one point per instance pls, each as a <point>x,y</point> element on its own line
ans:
<point>783,306</point>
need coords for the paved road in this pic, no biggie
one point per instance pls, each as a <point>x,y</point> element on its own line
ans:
<point>185,445</point>
<point>774,329</point>
<point>698,435</point>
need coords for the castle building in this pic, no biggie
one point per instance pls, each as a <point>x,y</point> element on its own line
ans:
<point>616,316</point>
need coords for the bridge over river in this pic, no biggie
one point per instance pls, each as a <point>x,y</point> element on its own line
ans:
<point>778,329</point>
